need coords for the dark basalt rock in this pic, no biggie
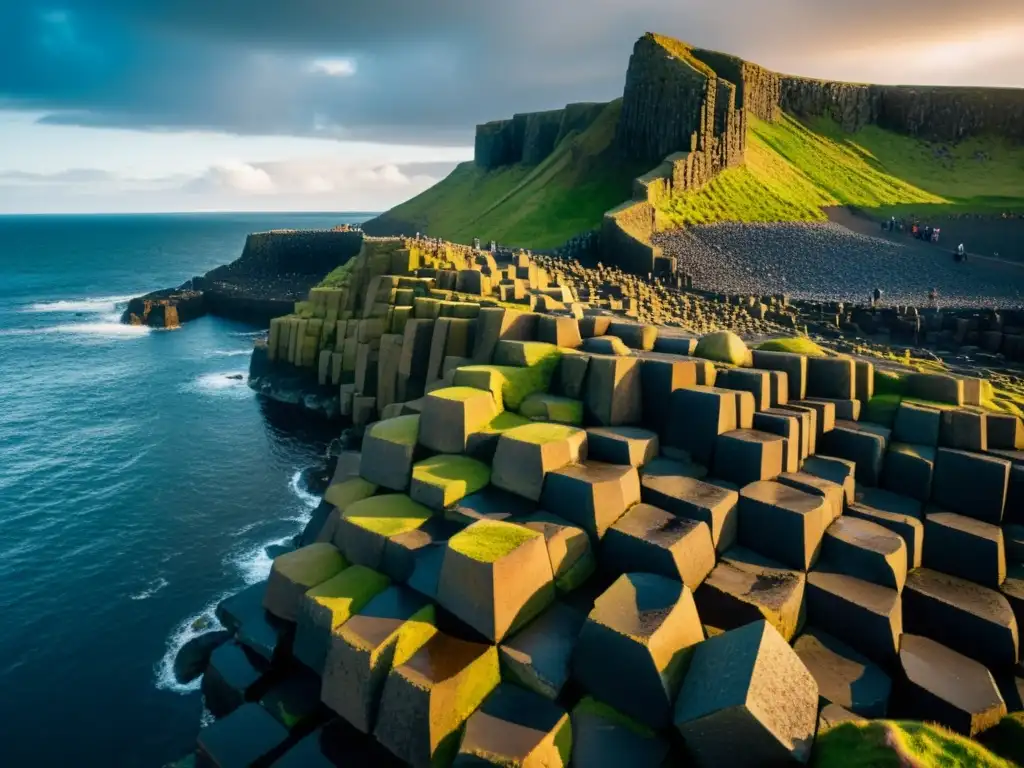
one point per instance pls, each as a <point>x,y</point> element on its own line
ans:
<point>194,656</point>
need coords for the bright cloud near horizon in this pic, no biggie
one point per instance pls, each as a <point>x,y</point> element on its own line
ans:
<point>182,105</point>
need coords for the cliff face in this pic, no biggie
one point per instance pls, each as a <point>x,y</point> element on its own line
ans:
<point>530,137</point>
<point>932,113</point>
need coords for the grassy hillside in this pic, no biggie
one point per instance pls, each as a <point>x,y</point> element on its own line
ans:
<point>533,207</point>
<point>793,169</point>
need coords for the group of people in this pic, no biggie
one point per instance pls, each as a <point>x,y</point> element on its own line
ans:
<point>933,297</point>
<point>927,233</point>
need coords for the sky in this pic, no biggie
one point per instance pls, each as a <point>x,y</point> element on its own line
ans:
<point>356,105</point>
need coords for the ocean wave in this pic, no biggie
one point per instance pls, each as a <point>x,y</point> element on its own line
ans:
<point>229,352</point>
<point>311,500</point>
<point>97,304</point>
<point>104,329</point>
<point>151,590</point>
<point>248,334</point>
<point>190,628</point>
<point>219,384</point>
<point>254,563</point>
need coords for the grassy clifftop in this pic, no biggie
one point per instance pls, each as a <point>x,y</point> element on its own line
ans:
<point>536,207</point>
<point>795,168</point>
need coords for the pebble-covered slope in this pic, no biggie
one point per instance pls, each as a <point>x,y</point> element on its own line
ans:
<point>831,263</point>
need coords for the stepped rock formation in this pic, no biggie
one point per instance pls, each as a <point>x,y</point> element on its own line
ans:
<point>564,513</point>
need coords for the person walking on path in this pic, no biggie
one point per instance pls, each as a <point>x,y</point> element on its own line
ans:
<point>876,296</point>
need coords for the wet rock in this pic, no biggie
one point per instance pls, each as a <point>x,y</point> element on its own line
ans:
<point>194,656</point>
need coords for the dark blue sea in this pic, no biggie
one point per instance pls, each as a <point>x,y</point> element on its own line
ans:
<point>139,481</point>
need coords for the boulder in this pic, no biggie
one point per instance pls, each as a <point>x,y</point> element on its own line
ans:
<point>844,676</point>
<point>538,656</point>
<point>635,646</point>
<point>592,495</point>
<point>194,656</point>
<point>965,547</point>
<point>969,618</point>
<point>748,700</point>
<point>942,686</point>
<point>745,587</point>
<point>443,480</point>
<point>865,616</point>
<point>650,539</point>
<point>613,394</point>
<point>971,484</point>
<point>389,450</point>
<point>451,415</point>
<point>383,634</point>
<point>526,454</point>
<point>746,456</point>
<point>723,347</point>
<point>631,446</point>
<point>427,700</point>
<point>294,573</point>
<point>782,523</point>
<point>496,576</point>
<point>327,606</point>
<point>694,499</point>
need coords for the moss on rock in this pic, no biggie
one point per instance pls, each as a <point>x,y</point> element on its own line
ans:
<point>442,480</point>
<point>354,489</point>
<point>799,345</point>
<point>487,541</point>
<point>401,429</point>
<point>388,515</point>
<point>544,407</point>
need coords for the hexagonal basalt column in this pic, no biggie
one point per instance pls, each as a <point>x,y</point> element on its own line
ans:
<point>427,699</point>
<point>327,606</point>
<point>592,495</point>
<point>441,481</point>
<point>526,454</point>
<point>635,646</point>
<point>452,414</point>
<point>538,656</point>
<point>496,576</point>
<point>844,676</point>
<point>364,530</point>
<point>748,700</point>
<point>384,634</point>
<point>783,523</point>
<point>389,449</point>
<point>295,572</point>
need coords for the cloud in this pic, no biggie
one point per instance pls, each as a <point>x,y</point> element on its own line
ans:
<point>405,71</point>
<point>234,177</point>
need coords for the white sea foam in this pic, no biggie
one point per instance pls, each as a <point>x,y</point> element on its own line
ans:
<point>151,590</point>
<point>219,384</point>
<point>97,304</point>
<point>311,500</point>
<point>229,352</point>
<point>254,563</point>
<point>190,628</point>
<point>108,329</point>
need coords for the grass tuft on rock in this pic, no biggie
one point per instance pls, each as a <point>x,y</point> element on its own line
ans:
<point>798,345</point>
<point>455,475</point>
<point>895,744</point>
<point>487,541</point>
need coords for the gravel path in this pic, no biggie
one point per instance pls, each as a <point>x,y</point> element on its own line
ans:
<point>828,262</point>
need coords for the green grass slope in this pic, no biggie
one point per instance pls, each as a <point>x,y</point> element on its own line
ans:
<point>794,169</point>
<point>533,207</point>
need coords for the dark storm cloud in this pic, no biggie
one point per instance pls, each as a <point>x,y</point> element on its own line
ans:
<point>424,71</point>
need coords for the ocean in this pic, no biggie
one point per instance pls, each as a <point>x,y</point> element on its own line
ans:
<point>140,481</point>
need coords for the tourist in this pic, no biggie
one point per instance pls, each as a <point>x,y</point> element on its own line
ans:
<point>876,297</point>
<point>933,297</point>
